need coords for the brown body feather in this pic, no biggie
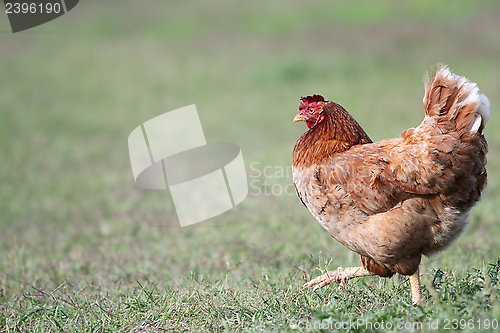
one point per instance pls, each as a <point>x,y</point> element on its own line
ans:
<point>394,200</point>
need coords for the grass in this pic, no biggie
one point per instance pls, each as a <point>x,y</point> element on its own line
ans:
<point>83,249</point>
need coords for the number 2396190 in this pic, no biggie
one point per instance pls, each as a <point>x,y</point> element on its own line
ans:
<point>471,324</point>
<point>32,8</point>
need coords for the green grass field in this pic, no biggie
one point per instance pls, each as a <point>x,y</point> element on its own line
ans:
<point>82,248</point>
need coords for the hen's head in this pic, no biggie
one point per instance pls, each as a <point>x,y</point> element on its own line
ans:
<point>311,110</point>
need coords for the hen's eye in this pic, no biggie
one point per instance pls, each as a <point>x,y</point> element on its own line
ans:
<point>311,110</point>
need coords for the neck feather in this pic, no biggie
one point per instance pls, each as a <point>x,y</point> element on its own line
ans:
<point>337,132</point>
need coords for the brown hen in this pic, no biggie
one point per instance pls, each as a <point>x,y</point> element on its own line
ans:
<point>396,199</point>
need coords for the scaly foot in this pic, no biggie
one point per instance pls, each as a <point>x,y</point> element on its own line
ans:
<point>340,275</point>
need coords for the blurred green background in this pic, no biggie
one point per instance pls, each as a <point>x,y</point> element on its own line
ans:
<point>73,89</point>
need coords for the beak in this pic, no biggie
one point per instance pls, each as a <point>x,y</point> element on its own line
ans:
<point>299,117</point>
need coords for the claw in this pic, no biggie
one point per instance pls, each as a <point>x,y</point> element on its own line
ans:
<point>336,276</point>
<point>340,275</point>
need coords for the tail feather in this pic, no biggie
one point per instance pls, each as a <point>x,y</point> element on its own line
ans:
<point>455,100</point>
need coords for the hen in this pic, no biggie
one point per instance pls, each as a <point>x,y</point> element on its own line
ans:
<point>398,199</point>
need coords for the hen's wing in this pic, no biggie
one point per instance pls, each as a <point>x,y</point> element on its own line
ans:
<point>356,197</point>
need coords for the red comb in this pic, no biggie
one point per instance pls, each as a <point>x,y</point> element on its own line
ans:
<point>312,99</point>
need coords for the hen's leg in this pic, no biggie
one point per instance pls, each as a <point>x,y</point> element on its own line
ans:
<point>340,275</point>
<point>416,291</point>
